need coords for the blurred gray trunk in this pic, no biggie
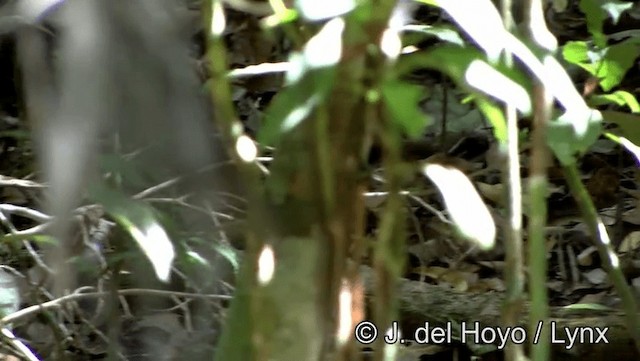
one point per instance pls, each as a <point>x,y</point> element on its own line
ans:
<point>120,68</point>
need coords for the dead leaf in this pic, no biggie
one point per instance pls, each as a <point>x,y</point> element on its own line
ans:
<point>492,192</point>
<point>630,243</point>
<point>596,276</point>
<point>585,258</point>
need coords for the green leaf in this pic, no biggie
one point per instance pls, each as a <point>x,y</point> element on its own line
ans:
<point>609,65</point>
<point>629,124</point>
<point>485,78</point>
<point>597,11</point>
<point>401,100</point>
<point>294,104</point>
<point>595,16</point>
<point>567,139</point>
<point>230,254</point>
<point>467,68</point>
<point>140,222</point>
<point>618,59</point>
<point>620,98</point>
<point>449,59</point>
<point>308,82</point>
<point>483,24</point>
<point>495,115</point>
<point>576,52</point>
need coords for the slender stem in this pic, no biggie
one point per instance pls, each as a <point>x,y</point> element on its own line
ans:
<point>242,339</point>
<point>602,242</point>
<point>514,272</point>
<point>537,221</point>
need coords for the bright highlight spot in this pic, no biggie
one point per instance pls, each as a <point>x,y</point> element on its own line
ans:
<point>266,265</point>
<point>464,204</point>
<point>246,149</point>
<point>156,245</point>
<point>391,44</point>
<point>325,48</point>
<point>345,321</point>
<point>218,20</point>
<point>482,76</point>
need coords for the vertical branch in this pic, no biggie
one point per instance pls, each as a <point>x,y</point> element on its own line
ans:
<point>241,339</point>
<point>598,232</point>
<point>353,106</point>
<point>514,273</point>
<point>357,105</point>
<point>389,255</point>
<point>538,184</point>
<point>537,221</point>
<point>539,311</point>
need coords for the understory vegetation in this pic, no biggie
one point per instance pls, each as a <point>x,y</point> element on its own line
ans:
<point>319,180</point>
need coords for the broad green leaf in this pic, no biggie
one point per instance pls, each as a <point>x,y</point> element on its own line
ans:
<point>309,79</point>
<point>467,68</point>
<point>548,71</point>
<point>454,61</point>
<point>485,78</point>
<point>140,222</point>
<point>467,117</point>
<point>629,124</point>
<point>595,16</point>
<point>495,116</point>
<point>401,100</point>
<point>481,21</point>
<point>577,52</point>
<point>467,210</point>
<point>609,65</point>
<point>618,59</point>
<point>567,142</point>
<point>597,11</point>
<point>620,98</point>
<point>483,24</point>
<point>449,59</point>
<point>294,103</point>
